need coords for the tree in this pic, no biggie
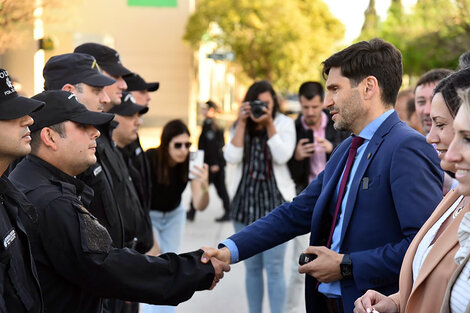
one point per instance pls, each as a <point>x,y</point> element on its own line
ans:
<point>16,20</point>
<point>370,28</point>
<point>282,41</point>
<point>433,35</point>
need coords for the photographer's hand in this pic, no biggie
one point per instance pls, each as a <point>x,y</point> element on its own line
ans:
<point>244,112</point>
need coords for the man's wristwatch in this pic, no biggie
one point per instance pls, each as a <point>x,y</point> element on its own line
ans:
<point>346,267</point>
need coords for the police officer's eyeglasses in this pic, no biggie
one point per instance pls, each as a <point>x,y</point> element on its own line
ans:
<point>179,145</point>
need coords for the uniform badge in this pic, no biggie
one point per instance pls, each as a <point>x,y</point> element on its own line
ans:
<point>97,170</point>
<point>9,238</point>
<point>138,151</point>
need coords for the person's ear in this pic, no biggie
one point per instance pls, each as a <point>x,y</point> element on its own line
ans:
<point>69,88</point>
<point>371,87</point>
<point>49,138</point>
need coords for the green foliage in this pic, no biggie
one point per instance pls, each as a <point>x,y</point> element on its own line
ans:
<point>433,35</point>
<point>370,28</point>
<point>282,41</point>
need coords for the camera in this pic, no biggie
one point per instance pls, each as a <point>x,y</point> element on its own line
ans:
<point>257,107</point>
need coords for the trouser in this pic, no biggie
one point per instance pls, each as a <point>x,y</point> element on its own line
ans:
<point>272,261</point>
<point>218,179</point>
<point>296,283</point>
<point>169,230</point>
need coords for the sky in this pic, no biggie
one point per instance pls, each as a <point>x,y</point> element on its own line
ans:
<point>351,13</point>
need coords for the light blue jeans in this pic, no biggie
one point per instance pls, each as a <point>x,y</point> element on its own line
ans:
<point>272,261</point>
<point>168,229</point>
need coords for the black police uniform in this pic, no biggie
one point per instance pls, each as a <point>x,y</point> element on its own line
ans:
<point>212,141</point>
<point>140,171</point>
<point>136,221</point>
<point>76,262</point>
<point>19,285</point>
<point>104,205</point>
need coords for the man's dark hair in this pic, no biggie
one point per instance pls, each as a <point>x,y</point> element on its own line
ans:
<point>433,76</point>
<point>376,58</point>
<point>311,89</point>
<point>36,136</point>
<point>449,87</point>
<point>464,60</point>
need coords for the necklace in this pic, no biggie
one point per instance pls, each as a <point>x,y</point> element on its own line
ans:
<point>459,208</point>
<point>457,211</point>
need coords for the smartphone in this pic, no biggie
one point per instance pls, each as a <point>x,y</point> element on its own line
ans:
<point>309,135</point>
<point>196,158</point>
<point>306,257</point>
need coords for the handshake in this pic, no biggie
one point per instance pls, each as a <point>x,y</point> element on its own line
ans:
<point>220,259</point>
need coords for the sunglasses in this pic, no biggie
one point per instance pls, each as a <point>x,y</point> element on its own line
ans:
<point>179,145</point>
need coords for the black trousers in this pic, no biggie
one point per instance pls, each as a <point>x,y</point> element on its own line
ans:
<point>218,179</point>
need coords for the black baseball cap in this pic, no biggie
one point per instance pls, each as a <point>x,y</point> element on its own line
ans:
<point>135,82</point>
<point>73,68</point>
<point>107,58</point>
<point>211,104</point>
<point>63,106</point>
<point>13,106</point>
<point>128,106</point>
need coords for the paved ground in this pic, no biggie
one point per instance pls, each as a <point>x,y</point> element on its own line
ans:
<point>229,295</point>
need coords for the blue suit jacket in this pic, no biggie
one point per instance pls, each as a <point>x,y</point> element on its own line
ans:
<point>382,216</point>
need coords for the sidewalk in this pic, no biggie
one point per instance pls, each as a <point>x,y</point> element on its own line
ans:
<point>229,296</point>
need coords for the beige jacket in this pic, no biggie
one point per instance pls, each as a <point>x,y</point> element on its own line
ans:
<point>446,303</point>
<point>427,294</point>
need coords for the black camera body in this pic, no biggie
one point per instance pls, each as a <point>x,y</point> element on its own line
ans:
<point>257,107</point>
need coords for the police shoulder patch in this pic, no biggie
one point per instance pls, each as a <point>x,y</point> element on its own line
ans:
<point>94,236</point>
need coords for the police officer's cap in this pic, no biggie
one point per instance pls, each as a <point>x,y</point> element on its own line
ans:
<point>128,106</point>
<point>61,106</point>
<point>13,106</point>
<point>108,58</point>
<point>135,83</point>
<point>73,68</point>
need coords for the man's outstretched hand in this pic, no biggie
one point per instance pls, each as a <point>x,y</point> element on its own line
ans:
<point>220,259</point>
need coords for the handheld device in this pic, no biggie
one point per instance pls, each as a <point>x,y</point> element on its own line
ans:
<point>257,107</point>
<point>306,257</point>
<point>196,158</point>
<point>309,136</point>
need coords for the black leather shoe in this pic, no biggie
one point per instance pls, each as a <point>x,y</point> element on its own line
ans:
<point>223,218</point>
<point>190,215</point>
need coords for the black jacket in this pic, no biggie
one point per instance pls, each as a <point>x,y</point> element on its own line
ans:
<point>76,262</point>
<point>136,221</point>
<point>104,205</point>
<point>212,141</point>
<point>300,169</point>
<point>19,284</point>
<point>139,169</point>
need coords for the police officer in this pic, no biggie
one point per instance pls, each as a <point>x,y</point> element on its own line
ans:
<point>140,89</point>
<point>212,142</point>
<point>110,62</point>
<point>19,285</point>
<point>128,115</point>
<point>136,220</point>
<point>76,262</point>
<point>133,153</point>
<point>79,74</point>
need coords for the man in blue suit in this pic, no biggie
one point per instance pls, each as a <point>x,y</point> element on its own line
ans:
<point>394,184</point>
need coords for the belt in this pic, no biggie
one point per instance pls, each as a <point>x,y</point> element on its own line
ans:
<point>334,305</point>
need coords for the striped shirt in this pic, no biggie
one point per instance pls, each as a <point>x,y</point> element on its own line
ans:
<point>257,193</point>
<point>460,295</point>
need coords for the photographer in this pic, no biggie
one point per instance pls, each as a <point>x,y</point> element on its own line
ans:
<point>263,140</point>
